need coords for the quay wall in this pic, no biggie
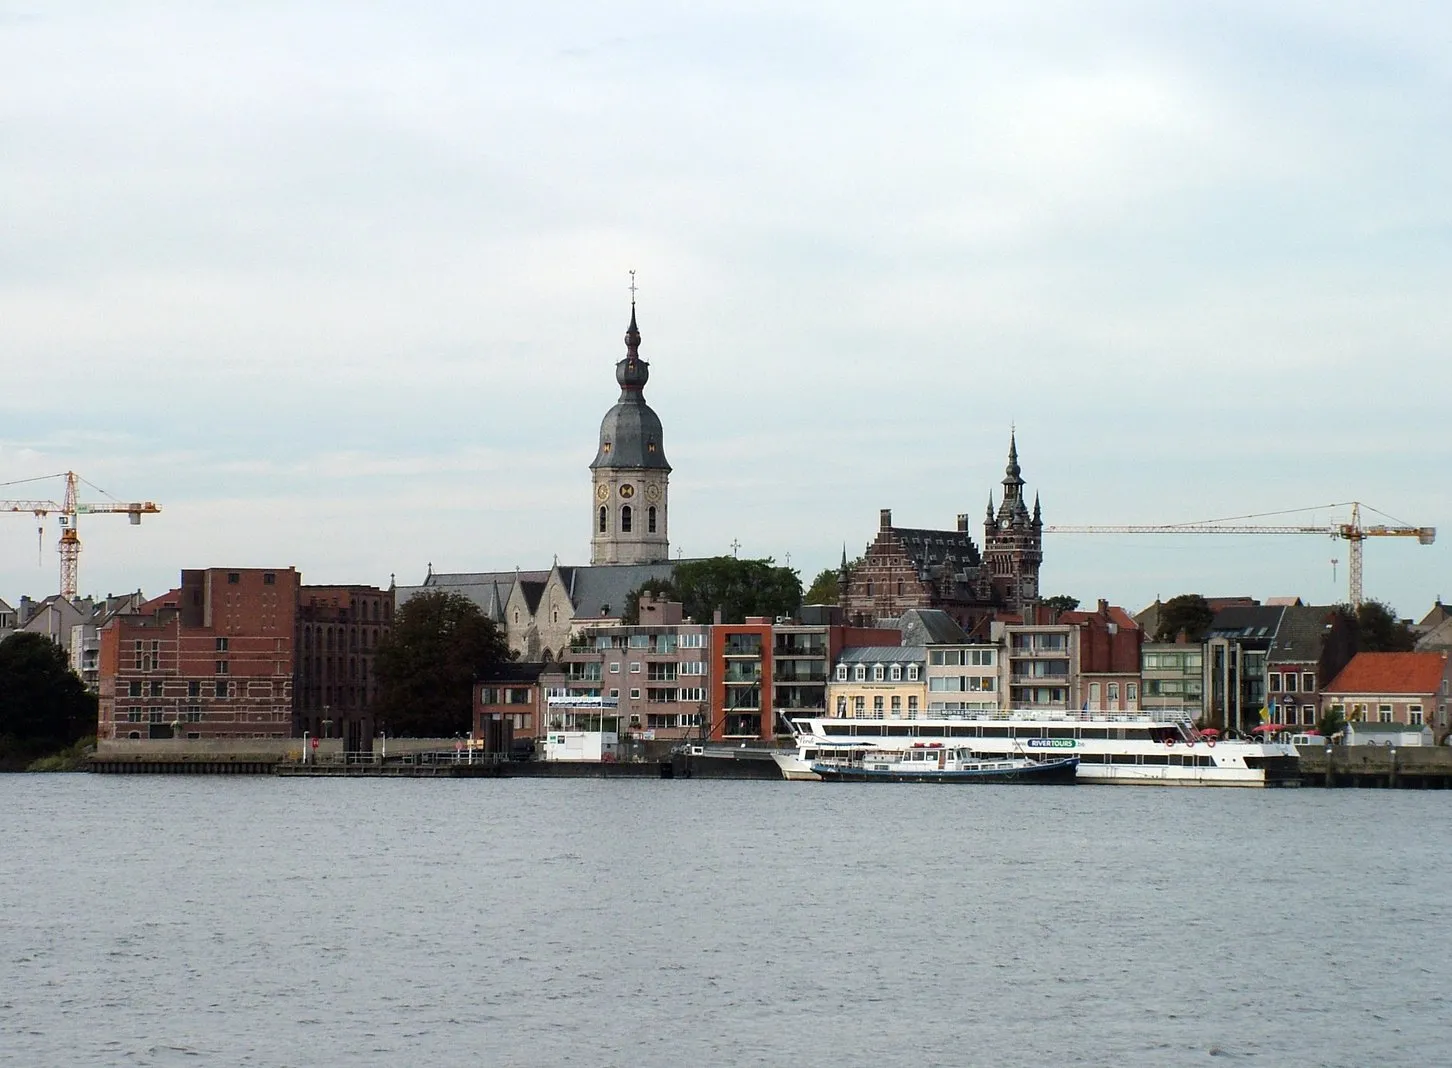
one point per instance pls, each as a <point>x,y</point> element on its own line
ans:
<point>1411,767</point>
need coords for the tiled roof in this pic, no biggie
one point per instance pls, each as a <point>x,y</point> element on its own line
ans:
<point>1246,621</point>
<point>1388,673</point>
<point>927,547</point>
<point>1301,634</point>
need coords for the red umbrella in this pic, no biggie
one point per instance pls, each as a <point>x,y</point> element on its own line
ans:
<point>1210,732</point>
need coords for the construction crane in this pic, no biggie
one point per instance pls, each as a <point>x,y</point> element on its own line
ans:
<point>1353,532</point>
<point>68,510</point>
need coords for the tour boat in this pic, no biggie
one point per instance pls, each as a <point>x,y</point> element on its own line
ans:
<point>1160,747</point>
<point>936,762</point>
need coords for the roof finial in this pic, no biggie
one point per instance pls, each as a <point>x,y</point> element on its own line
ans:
<point>632,333</point>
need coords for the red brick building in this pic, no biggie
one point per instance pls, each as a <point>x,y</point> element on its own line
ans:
<point>1408,688</point>
<point>210,659</point>
<point>1110,643</point>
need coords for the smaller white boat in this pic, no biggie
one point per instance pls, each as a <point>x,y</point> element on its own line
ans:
<point>932,762</point>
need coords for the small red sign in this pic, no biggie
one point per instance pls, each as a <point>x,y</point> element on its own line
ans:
<point>315,743</point>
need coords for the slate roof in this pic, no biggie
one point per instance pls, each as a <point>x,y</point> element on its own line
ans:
<point>599,590</point>
<point>1439,637</point>
<point>1390,673</point>
<point>1301,634</point>
<point>1247,621</point>
<point>883,654</point>
<point>931,626</point>
<point>935,547</point>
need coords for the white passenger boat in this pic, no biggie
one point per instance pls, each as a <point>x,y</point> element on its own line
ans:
<point>925,762</point>
<point>1160,748</point>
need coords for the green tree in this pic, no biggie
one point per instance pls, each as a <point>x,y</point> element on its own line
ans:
<point>740,588</point>
<point>43,705</point>
<point>427,664</point>
<point>825,588</point>
<point>1061,603</point>
<point>1189,612</point>
<point>1377,628</point>
<point>1332,723</point>
<point>662,588</point>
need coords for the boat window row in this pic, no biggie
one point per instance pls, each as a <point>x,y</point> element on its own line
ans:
<point>1174,760</point>
<point>878,729</point>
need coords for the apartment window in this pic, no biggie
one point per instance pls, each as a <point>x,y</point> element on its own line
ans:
<point>1308,714</point>
<point>635,695</point>
<point>1414,714</point>
<point>693,667</point>
<point>1112,692</point>
<point>693,693</point>
<point>841,707</point>
<point>1290,682</point>
<point>222,688</point>
<point>1094,695</point>
<point>1275,682</point>
<point>134,689</point>
<point>912,707</point>
<point>912,673</point>
<point>639,641</point>
<point>635,667</point>
<point>615,694</point>
<point>896,673</point>
<point>233,578</point>
<point>222,645</point>
<point>615,668</point>
<point>859,706</point>
<point>876,672</point>
<point>877,707</point>
<point>194,688</point>
<point>221,667</point>
<point>896,706</point>
<point>859,673</point>
<point>155,687</point>
<point>1131,692</point>
<point>841,672</point>
<point>692,641</point>
<point>1308,683</point>
<point>1384,713</point>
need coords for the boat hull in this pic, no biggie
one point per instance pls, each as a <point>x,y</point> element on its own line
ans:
<point>1061,772</point>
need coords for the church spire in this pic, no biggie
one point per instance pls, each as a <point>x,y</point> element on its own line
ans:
<point>1038,514</point>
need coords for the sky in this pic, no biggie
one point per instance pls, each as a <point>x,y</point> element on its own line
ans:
<point>342,286</point>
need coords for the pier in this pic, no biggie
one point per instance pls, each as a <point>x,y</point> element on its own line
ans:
<point>1376,767</point>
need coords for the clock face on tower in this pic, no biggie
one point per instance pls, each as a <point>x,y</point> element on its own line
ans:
<point>602,492</point>
<point>627,491</point>
<point>652,493</point>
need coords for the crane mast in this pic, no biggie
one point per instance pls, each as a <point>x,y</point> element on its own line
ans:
<point>1354,533</point>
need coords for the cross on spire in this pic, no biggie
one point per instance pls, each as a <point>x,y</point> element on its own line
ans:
<point>632,287</point>
<point>735,546</point>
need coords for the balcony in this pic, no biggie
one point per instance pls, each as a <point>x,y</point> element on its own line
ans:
<point>749,672</point>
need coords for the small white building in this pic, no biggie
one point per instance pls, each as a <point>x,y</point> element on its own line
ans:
<point>1398,734</point>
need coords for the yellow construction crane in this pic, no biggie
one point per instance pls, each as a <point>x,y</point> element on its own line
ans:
<point>1353,532</point>
<point>68,510</point>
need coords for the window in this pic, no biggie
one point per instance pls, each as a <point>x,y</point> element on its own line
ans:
<point>615,668</point>
<point>1384,713</point>
<point>635,695</point>
<point>693,667</point>
<point>1275,682</point>
<point>877,707</point>
<point>841,672</point>
<point>134,690</point>
<point>1131,692</point>
<point>635,667</point>
<point>912,706</point>
<point>1308,682</point>
<point>194,688</point>
<point>615,694</point>
<point>841,707</point>
<point>222,688</point>
<point>912,673</point>
<point>1290,682</point>
<point>155,687</point>
<point>233,578</point>
<point>692,641</point>
<point>896,673</point>
<point>896,706</point>
<point>859,673</point>
<point>625,519</point>
<point>221,667</point>
<point>1414,714</point>
<point>222,645</point>
<point>1111,691</point>
<point>1308,714</point>
<point>859,706</point>
<point>269,578</point>
<point>876,672</point>
<point>650,519</point>
<point>1093,695</point>
<point>603,514</point>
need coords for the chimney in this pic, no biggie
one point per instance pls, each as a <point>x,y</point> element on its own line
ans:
<point>962,523</point>
<point>1103,607</point>
<point>884,519</point>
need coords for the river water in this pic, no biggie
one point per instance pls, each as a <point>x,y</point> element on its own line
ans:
<point>256,921</point>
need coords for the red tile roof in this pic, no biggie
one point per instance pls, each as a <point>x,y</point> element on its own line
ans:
<point>1376,673</point>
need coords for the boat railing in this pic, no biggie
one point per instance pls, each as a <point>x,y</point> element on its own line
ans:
<point>1145,716</point>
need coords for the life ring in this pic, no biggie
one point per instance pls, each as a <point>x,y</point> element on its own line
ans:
<point>1210,742</point>
<point>1169,739</point>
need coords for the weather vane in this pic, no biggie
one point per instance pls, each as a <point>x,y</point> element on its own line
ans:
<point>632,287</point>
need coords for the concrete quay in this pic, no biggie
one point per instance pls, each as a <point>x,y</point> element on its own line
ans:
<point>1377,767</point>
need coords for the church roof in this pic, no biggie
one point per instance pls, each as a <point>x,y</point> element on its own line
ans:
<point>926,547</point>
<point>599,591</point>
<point>596,591</point>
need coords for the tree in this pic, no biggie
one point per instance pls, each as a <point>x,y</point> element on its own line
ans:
<point>825,588</point>
<point>1060,603</point>
<point>739,588</point>
<point>43,705</point>
<point>427,664</point>
<point>662,588</point>
<point>1188,612</point>
<point>1332,723</point>
<point>1377,628</point>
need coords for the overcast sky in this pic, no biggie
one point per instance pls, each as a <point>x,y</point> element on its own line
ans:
<point>341,286</point>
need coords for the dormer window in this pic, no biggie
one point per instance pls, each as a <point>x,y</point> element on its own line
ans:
<point>896,673</point>
<point>876,672</point>
<point>841,672</point>
<point>912,673</point>
<point>859,673</point>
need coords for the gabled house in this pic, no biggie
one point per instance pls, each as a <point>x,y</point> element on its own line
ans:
<point>1408,688</point>
<point>1311,645</point>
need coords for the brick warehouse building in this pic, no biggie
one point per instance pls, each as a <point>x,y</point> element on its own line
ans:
<point>210,659</point>
<point>339,629</point>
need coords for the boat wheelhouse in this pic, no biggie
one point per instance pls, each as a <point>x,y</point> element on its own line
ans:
<point>1149,748</point>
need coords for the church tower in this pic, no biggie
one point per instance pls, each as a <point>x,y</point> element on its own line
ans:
<point>630,476</point>
<point>1013,541</point>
